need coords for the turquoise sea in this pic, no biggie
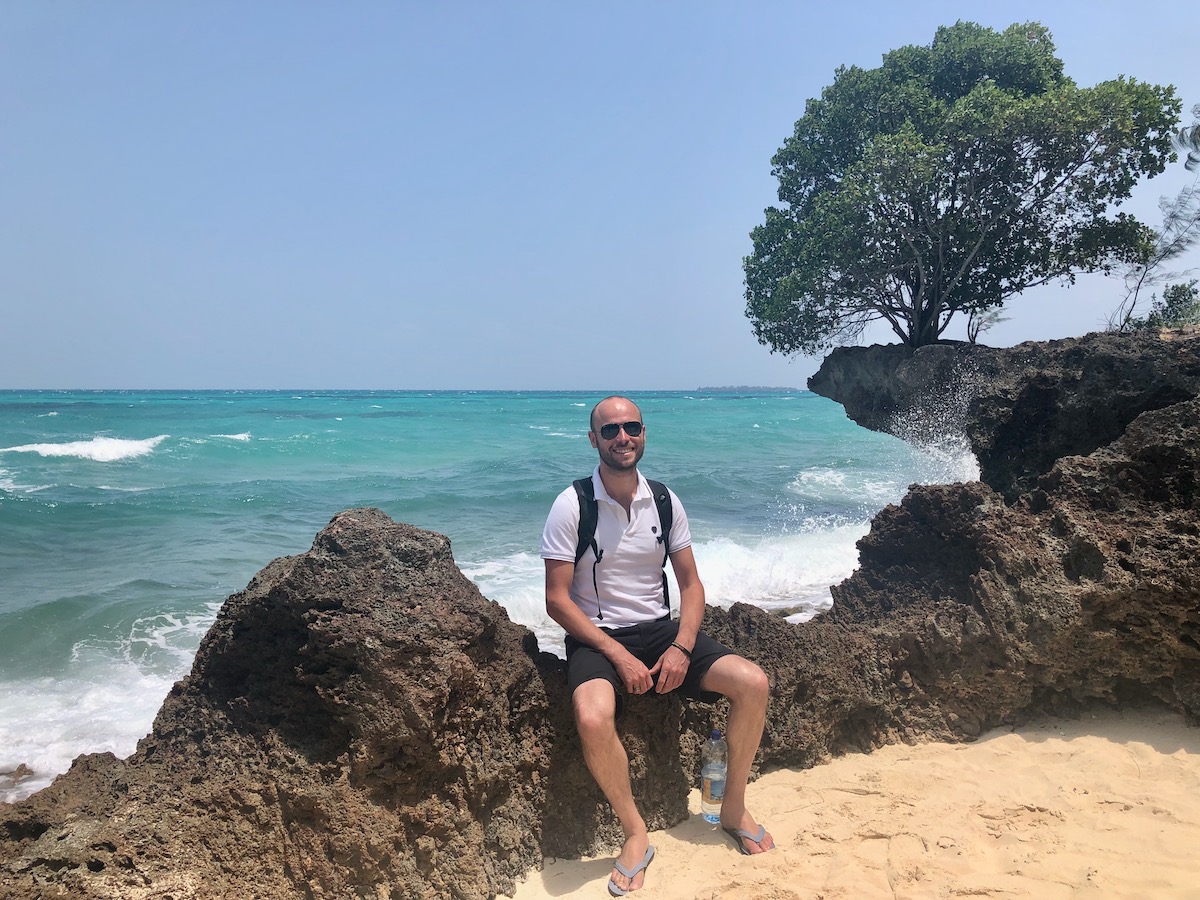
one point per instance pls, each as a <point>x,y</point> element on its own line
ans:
<point>127,517</point>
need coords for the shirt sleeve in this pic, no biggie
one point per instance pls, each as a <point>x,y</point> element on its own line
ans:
<point>561,533</point>
<point>681,532</point>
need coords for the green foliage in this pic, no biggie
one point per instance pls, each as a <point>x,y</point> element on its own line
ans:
<point>946,180</point>
<point>1179,305</point>
<point>1179,232</point>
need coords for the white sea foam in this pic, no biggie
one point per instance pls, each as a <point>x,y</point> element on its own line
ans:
<point>947,461</point>
<point>789,575</point>
<point>822,478</point>
<point>785,574</point>
<point>45,723</point>
<point>243,436</point>
<point>517,583</point>
<point>100,449</point>
<point>11,486</point>
<point>106,701</point>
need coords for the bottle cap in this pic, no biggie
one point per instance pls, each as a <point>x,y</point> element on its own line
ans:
<point>716,734</point>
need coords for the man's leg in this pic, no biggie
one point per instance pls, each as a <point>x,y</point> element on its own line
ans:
<point>595,703</point>
<point>746,686</point>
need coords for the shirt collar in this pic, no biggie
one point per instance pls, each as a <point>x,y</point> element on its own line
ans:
<point>642,492</point>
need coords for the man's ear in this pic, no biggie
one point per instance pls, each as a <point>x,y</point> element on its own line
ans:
<point>592,438</point>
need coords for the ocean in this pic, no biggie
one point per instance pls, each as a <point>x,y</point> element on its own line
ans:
<point>127,517</point>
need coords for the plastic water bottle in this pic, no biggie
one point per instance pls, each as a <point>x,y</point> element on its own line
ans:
<point>712,777</point>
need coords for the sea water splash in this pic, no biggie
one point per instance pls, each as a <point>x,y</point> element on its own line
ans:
<point>939,426</point>
<point>114,692</point>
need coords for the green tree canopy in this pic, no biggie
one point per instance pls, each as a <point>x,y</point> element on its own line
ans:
<point>945,181</point>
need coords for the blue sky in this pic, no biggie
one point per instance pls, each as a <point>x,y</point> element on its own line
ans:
<point>444,195</point>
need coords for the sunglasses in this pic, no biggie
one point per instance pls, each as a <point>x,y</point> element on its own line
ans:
<point>609,431</point>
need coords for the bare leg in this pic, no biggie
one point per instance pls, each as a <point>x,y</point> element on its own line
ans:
<point>746,686</point>
<point>595,716</point>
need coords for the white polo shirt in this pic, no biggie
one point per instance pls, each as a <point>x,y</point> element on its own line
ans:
<point>629,573</point>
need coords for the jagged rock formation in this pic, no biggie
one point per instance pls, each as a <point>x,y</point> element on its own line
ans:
<point>360,722</point>
<point>966,613</point>
<point>1022,407</point>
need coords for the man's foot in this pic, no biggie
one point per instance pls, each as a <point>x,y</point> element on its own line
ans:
<point>749,837</point>
<point>631,875</point>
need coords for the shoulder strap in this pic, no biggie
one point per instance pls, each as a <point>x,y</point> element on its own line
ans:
<point>588,513</point>
<point>666,514</point>
<point>662,500</point>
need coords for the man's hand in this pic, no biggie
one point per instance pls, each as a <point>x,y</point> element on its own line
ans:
<point>631,670</point>
<point>672,668</point>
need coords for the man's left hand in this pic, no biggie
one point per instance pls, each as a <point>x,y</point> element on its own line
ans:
<point>671,669</point>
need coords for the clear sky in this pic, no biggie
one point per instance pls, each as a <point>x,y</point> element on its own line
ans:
<point>503,195</point>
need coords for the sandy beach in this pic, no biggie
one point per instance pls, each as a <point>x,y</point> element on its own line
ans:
<point>1104,806</point>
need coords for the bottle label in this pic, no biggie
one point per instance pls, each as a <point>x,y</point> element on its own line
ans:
<point>713,788</point>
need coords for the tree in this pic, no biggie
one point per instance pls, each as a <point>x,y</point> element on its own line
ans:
<point>1180,232</point>
<point>945,181</point>
<point>1188,140</point>
<point>1179,305</point>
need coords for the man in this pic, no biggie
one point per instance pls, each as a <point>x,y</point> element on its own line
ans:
<point>621,638</point>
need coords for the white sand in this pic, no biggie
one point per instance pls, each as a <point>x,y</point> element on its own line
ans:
<point>1107,806</point>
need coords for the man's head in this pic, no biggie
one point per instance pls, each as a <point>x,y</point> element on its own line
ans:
<point>612,419</point>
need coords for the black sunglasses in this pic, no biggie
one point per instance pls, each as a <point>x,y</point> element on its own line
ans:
<point>609,431</point>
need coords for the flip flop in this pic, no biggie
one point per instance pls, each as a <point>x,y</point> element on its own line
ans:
<point>629,873</point>
<point>736,835</point>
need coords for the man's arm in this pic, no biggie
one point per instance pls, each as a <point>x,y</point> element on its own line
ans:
<point>562,609</point>
<point>673,665</point>
<point>691,595</point>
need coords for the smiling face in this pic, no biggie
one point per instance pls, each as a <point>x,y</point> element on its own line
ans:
<point>622,452</point>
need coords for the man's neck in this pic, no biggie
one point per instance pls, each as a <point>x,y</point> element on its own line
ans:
<point>621,484</point>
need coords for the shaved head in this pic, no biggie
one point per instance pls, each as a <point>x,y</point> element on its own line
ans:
<point>596,408</point>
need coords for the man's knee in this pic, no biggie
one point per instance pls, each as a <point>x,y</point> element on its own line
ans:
<point>738,679</point>
<point>758,686</point>
<point>595,705</point>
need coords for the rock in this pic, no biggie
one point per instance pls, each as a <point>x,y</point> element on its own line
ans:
<point>359,722</point>
<point>14,777</point>
<point>1021,408</point>
<point>966,613</point>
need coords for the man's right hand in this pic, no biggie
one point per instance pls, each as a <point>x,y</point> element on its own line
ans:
<point>631,670</point>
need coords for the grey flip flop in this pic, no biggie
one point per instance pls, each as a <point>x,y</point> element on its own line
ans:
<point>629,873</point>
<point>736,835</point>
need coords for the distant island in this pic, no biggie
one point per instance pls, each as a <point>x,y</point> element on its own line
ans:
<point>747,388</point>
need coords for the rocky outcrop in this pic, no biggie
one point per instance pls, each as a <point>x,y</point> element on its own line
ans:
<point>360,722</point>
<point>1021,408</point>
<point>966,613</point>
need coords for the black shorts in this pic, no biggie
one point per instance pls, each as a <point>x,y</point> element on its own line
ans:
<point>647,642</point>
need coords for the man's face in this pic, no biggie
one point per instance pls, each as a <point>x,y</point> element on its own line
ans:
<point>620,452</point>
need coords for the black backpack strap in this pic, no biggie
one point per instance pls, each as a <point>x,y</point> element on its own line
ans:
<point>588,513</point>
<point>666,514</point>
